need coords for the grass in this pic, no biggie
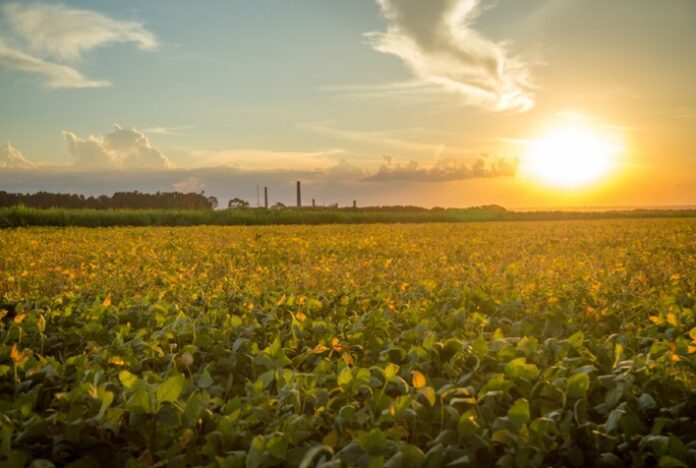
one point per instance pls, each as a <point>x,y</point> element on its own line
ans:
<point>18,216</point>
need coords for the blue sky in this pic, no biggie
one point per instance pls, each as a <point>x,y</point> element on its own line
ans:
<point>388,101</point>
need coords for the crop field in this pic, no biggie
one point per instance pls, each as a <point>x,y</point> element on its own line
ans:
<point>517,344</point>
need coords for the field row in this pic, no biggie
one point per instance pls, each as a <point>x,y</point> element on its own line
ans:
<point>521,344</point>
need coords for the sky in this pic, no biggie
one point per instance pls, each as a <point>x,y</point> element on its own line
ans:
<point>441,103</point>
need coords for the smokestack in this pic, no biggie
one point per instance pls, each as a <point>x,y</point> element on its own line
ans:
<point>314,205</point>
<point>265,197</point>
<point>355,204</point>
<point>299,195</point>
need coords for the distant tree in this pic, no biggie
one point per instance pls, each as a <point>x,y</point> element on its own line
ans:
<point>278,206</point>
<point>237,204</point>
<point>131,200</point>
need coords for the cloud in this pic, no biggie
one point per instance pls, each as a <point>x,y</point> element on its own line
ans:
<point>47,39</point>
<point>66,33</point>
<point>345,170</point>
<point>189,184</point>
<point>170,131</point>
<point>444,170</point>
<point>54,74</point>
<point>123,148</point>
<point>11,158</point>
<point>374,138</point>
<point>436,40</point>
<point>264,159</point>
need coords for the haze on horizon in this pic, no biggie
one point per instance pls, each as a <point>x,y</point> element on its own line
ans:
<point>542,103</point>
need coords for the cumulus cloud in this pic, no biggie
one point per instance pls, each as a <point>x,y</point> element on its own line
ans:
<point>436,40</point>
<point>48,39</point>
<point>11,158</point>
<point>123,148</point>
<point>444,170</point>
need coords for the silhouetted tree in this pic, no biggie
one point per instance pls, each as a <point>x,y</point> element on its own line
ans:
<point>132,200</point>
<point>237,204</point>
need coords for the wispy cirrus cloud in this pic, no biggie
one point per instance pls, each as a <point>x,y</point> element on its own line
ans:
<point>48,39</point>
<point>437,41</point>
<point>54,75</point>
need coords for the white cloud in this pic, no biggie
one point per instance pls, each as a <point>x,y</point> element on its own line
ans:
<point>54,74</point>
<point>11,158</point>
<point>123,148</point>
<point>47,39</point>
<point>435,38</point>
<point>65,33</point>
<point>445,170</point>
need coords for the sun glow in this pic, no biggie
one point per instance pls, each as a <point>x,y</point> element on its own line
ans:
<point>571,156</point>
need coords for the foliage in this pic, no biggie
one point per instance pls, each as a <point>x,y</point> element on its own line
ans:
<point>119,200</point>
<point>20,216</point>
<point>509,344</point>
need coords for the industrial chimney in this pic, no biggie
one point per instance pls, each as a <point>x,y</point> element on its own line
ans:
<point>299,195</point>
<point>265,197</point>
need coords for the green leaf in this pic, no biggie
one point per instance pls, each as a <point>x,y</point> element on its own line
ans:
<point>127,379</point>
<point>391,370</point>
<point>345,376</point>
<point>479,346</point>
<point>518,414</point>
<point>577,385</point>
<point>205,380</point>
<point>277,446</point>
<point>374,442</point>
<point>669,462</point>
<point>106,399</point>
<point>519,369</point>
<point>140,402</point>
<point>576,339</point>
<point>170,389</point>
<point>255,457</point>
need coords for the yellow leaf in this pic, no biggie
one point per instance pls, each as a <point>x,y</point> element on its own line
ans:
<point>107,301</point>
<point>15,354</point>
<point>418,379</point>
<point>330,439</point>
<point>348,359</point>
<point>692,349</point>
<point>429,394</point>
<point>117,361</point>
<point>300,317</point>
<point>320,348</point>
<point>20,317</point>
<point>656,320</point>
<point>672,319</point>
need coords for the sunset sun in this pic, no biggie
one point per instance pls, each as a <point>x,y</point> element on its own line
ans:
<point>571,156</point>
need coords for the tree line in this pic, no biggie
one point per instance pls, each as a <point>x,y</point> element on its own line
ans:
<point>131,200</point>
